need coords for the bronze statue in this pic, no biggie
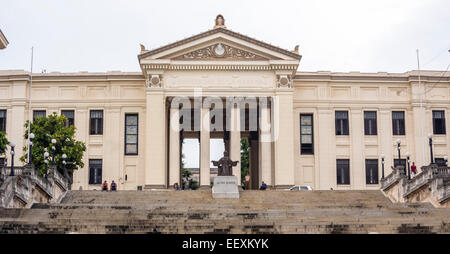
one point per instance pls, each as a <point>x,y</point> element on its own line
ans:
<point>225,165</point>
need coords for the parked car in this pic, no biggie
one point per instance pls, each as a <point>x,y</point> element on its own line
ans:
<point>301,188</point>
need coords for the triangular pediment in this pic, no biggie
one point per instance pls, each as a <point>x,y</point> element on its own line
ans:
<point>220,51</point>
<point>219,44</point>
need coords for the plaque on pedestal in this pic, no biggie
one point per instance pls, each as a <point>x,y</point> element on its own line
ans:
<point>225,187</point>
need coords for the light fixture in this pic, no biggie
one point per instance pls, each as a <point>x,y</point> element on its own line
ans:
<point>12,144</point>
<point>398,141</point>
<point>31,135</point>
<point>430,135</point>
<point>382,156</point>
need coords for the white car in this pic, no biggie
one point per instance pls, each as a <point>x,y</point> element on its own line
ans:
<point>301,187</point>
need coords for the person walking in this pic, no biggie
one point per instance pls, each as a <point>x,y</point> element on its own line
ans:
<point>414,169</point>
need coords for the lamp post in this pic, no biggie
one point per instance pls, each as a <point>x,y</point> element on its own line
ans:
<point>53,150</point>
<point>12,144</point>
<point>430,139</point>
<point>382,166</point>
<point>446,160</point>
<point>407,160</point>
<point>398,141</point>
<point>64,156</point>
<point>30,152</point>
<point>46,154</point>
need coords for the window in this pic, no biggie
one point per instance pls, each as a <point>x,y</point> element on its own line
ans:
<point>2,162</point>
<point>306,134</point>
<point>438,121</point>
<point>343,171</point>
<point>131,134</point>
<point>398,123</point>
<point>370,122</point>
<point>95,171</point>
<point>96,122</point>
<point>38,113</point>
<point>371,171</point>
<point>438,161</point>
<point>341,119</point>
<point>2,121</point>
<point>70,115</point>
<point>402,163</point>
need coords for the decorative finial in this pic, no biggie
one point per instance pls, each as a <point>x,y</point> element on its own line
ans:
<point>142,48</point>
<point>296,49</point>
<point>220,22</point>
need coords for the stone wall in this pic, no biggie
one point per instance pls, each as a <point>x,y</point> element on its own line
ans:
<point>28,187</point>
<point>432,185</point>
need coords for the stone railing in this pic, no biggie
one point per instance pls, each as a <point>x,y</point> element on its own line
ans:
<point>431,185</point>
<point>418,181</point>
<point>394,177</point>
<point>443,193</point>
<point>17,171</point>
<point>28,186</point>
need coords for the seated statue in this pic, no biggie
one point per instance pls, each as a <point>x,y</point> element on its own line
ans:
<point>225,165</point>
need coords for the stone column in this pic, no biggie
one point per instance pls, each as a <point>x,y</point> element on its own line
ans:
<point>174,146</point>
<point>386,143</point>
<point>357,163</point>
<point>81,176</point>
<point>420,135</point>
<point>205,171</point>
<point>265,144</point>
<point>111,144</point>
<point>235,142</point>
<point>283,138</point>
<point>155,137</point>
<point>325,177</point>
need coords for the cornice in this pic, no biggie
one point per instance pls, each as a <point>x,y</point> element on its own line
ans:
<point>247,67</point>
<point>220,30</point>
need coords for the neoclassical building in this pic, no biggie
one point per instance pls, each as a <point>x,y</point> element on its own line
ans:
<point>323,129</point>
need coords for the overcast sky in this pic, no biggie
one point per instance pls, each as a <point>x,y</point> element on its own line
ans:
<point>366,36</point>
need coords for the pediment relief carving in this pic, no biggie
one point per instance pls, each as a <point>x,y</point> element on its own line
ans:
<point>219,51</point>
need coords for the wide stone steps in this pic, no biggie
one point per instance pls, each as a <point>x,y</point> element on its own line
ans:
<point>254,212</point>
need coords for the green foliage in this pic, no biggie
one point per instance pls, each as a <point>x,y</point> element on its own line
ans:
<point>44,130</point>
<point>245,156</point>
<point>186,176</point>
<point>3,142</point>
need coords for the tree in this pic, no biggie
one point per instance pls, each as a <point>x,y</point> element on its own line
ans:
<point>3,142</point>
<point>54,127</point>
<point>186,176</point>
<point>245,155</point>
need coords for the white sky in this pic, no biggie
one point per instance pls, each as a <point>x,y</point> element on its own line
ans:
<point>366,36</point>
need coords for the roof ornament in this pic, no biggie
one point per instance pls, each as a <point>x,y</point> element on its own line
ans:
<point>295,49</point>
<point>220,22</point>
<point>143,48</point>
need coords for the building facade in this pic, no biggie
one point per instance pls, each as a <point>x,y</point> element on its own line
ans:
<point>323,129</point>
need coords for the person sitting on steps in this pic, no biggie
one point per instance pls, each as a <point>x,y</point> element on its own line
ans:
<point>263,186</point>
<point>113,186</point>
<point>105,186</point>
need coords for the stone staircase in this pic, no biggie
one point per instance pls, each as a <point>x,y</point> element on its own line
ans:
<point>274,211</point>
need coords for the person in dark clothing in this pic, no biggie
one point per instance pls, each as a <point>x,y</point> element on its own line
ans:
<point>263,186</point>
<point>105,186</point>
<point>113,186</point>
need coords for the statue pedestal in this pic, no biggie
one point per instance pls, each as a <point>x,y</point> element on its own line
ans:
<point>225,187</point>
